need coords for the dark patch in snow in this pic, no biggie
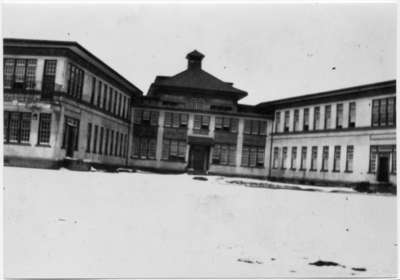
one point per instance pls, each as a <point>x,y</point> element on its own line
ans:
<point>359,269</point>
<point>272,259</point>
<point>293,271</point>
<point>347,229</point>
<point>61,220</point>
<point>75,222</point>
<point>200,178</point>
<point>248,261</point>
<point>326,263</point>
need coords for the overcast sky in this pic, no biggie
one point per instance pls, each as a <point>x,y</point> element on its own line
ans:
<point>271,51</point>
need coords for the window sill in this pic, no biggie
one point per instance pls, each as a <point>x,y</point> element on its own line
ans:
<point>43,145</point>
<point>323,170</point>
<point>174,160</point>
<point>313,170</point>
<point>302,169</point>
<point>258,167</point>
<point>221,164</point>
<point>293,169</point>
<point>17,144</point>
<point>336,171</point>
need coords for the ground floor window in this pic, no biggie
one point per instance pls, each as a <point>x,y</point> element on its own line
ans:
<point>314,156</point>
<point>276,158</point>
<point>44,129</point>
<point>336,159</point>
<point>224,154</point>
<point>325,157</point>
<point>252,156</point>
<point>349,158</point>
<point>144,148</point>
<point>284,157</point>
<point>17,127</point>
<point>294,158</point>
<point>174,150</point>
<point>303,162</point>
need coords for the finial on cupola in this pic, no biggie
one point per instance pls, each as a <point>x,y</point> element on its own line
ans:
<point>194,59</point>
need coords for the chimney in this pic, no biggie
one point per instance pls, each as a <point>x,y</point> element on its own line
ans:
<point>194,60</point>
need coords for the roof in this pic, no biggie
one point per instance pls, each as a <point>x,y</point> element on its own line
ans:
<point>197,79</point>
<point>384,87</point>
<point>74,47</point>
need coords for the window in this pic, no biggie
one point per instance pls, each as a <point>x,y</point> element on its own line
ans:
<point>277,121</point>
<point>384,112</point>
<point>101,140</point>
<point>201,122</point>
<point>174,150</point>
<point>349,158</point>
<point>372,158</point>
<point>276,157</point>
<point>44,129</point>
<point>197,104</point>
<point>384,150</point>
<point>19,73</point>
<point>116,144</point>
<point>175,120</point>
<point>314,156</point>
<point>296,120</point>
<point>96,128</point>
<point>352,114</point>
<point>89,137</point>
<point>119,104</point>
<point>114,109</point>
<point>327,124</point>
<point>99,87</point>
<point>254,127</point>
<point>121,140</point>
<point>226,124</point>
<point>336,159</point>
<point>224,154</point>
<point>110,99</point>
<point>306,119</point>
<point>286,121</point>
<point>325,158</point>
<point>93,90</point>
<point>106,141</point>
<point>294,158</point>
<point>284,158</point>
<point>144,148</point>
<point>394,166</point>
<point>17,127</point>
<point>75,81</point>
<point>252,156</point>
<point>112,143</point>
<point>317,117</point>
<point>105,92</point>
<point>146,117</point>
<point>303,162</point>
<point>49,75</point>
<point>339,115</point>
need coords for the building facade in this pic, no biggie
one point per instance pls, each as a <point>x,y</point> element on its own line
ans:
<point>346,135</point>
<point>61,102</point>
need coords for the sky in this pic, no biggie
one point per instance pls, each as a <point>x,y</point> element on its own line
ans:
<point>272,51</point>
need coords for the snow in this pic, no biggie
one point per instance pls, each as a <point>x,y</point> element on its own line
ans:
<point>61,223</point>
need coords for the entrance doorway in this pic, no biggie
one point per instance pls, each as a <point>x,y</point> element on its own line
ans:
<point>383,168</point>
<point>71,130</point>
<point>199,157</point>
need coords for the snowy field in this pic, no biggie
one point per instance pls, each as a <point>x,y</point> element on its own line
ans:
<point>94,224</point>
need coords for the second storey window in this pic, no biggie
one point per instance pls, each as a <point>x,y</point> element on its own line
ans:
<point>49,75</point>
<point>317,117</point>
<point>175,120</point>
<point>226,124</point>
<point>146,117</point>
<point>284,158</point>
<point>339,115</point>
<point>384,112</point>
<point>277,121</point>
<point>286,121</point>
<point>352,114</point>
<point>19,73</point>
<point>75,81</point>
<point>255,127</point>
<point>306,119</point>
<point>201,122</point>
<point>296,120</point>
<point>327,123</point>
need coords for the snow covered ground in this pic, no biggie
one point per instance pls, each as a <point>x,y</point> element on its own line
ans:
<point>94,224</point>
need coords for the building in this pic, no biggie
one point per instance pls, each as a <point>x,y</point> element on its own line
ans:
<point>192,122</point>
<point>340,136</point>
<point>61,102</point>
<point>62,105</point>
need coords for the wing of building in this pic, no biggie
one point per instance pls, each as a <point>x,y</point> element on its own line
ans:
<point>63,106</point>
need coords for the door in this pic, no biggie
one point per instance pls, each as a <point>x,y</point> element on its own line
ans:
<point>199,157</point>
<point>70,140</point>
<point>383,168</point>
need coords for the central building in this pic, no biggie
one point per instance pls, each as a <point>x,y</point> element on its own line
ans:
<point>192,122</point>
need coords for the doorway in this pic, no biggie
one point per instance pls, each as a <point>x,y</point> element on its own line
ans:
<point>383,168</point>
<point>71,130</point>
<point>199,157</point>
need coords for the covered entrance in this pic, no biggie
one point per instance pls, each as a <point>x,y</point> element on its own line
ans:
<point>199,153</point>
<point>70,141</point>
<point>383,167</point>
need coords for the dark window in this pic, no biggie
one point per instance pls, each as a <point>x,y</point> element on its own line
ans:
<point>394,160</point>
<point>293,164</point>
<point>303,161</point>
<point>174,150</point>
<point>352,114</point>
<point>201,122</point>
<point>17,127</point>
<point>105,92</point>
<point>336,159</point>
<point>115,99</point>
<point>119,104</point>
<point>255,127</point>
<point>384,112</point>
<point>286,121</point>
<point>306,119</point>
<point>73,124</point>
<point>106,141</point>
<point>109,101</point>
<point>19,73</point>
<point>89,137</point>
<point>49,75</point>
<point>284,157</point>
<point>314,156</point>
<point>147,117</point>
<point>277,121</point>
<point>116,144</point>
<point>44,129</point>
<point>349,158</point>
<point>121,144</point>
<point>112,143</point>
<point>327,123</point>
<point>317,118</point>
<point>96,129</point>
<point>101,140</point>
<point>175,119</point>
<point>226,124</point>
<point>339,115</point>
<point>224,154</point>
<point>276,158</point>
<point>99,87</point>
<point>252,156</point>
<point>75,82</point>
<point>296,120</point>
<point>93,90</point>
<point>325,158</point>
